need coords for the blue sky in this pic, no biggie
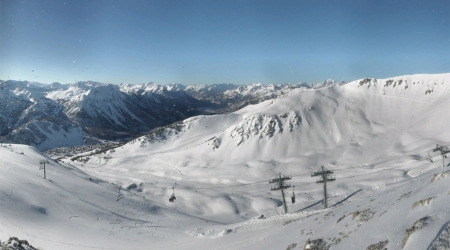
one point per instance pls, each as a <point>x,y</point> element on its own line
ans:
<point>215,41</point>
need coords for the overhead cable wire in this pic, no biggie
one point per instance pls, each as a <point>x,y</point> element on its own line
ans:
<point>293,176</point>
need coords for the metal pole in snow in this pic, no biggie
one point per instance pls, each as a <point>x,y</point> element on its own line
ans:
<point>324,173</point>
<point>443,161</point>
<point>42,162</point>
<point>282,193</point>
<point>325,198</point>
<point>281,186</point>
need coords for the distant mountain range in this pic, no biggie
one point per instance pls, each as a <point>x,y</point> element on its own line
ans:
<point>387,114</point>
<point>60,115</point>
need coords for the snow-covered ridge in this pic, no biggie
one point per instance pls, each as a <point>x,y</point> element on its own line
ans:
<point>91,111</point>
<point>318,109</point>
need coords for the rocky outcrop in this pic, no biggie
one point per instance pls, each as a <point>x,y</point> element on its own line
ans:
<point>378,246</point>
<point>420,223</point>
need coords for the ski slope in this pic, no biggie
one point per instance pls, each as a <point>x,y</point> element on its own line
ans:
<point>375,134</point>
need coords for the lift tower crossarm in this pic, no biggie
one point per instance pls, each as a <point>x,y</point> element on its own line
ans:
<point>42,163</point>
<point>444,150</point>
<point>278,179</point>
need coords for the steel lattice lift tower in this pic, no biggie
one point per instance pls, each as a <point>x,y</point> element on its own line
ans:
<point>444,150</point>
<point>42,166</point>
<point>280,185</point>
<point>326,177</point>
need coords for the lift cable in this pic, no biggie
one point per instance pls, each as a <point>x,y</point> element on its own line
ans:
<point>265,181</point>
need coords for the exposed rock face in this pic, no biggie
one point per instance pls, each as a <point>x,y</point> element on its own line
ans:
<point>291,246</point>
<point>13,243</point>
<point>364,215</point>
<point>265,126</point>
<point>422,202</point>
<point>442,241</point>
<point>317,244</point>
<point>420,223</point>
<point>378,246</point>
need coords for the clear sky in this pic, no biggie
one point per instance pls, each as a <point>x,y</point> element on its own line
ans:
<point>216,41</point>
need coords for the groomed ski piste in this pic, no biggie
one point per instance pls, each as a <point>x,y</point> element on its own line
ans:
<point>379,137</point>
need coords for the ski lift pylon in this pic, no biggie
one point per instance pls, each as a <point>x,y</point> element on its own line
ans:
<point>172,197</point>
<point>120,196</point>
<point>293,195</point>
<point>429,158</point>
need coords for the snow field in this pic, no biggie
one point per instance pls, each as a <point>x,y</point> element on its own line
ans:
<point>376,138</point>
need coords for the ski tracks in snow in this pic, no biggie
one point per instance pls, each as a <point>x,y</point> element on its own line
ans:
<point>71,211</point>
<point>20,217</point>
<point>268,231</point>
<point>165,163</point>
<point>249,241</point>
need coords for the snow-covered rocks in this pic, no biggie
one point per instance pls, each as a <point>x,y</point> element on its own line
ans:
<point>13,243</point>
<point>442,241</point>
<point>417,225</point>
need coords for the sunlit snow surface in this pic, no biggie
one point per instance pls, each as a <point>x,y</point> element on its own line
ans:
<point>374,134</point>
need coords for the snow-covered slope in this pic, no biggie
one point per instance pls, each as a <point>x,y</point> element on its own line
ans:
<point>375,135</point>
<point>410,214</point>
<point>71,210</point>
<point>90,112</point>
<point>371,132</point>
<point>348,125</point>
